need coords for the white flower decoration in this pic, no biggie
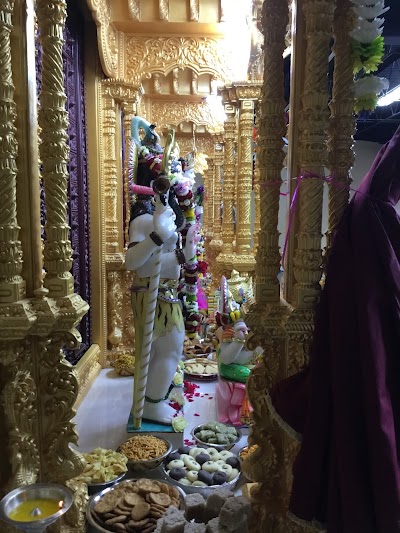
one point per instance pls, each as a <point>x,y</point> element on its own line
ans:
<point>370,85</point>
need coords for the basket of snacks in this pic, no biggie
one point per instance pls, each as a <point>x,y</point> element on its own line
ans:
<point>133,505</point>
<point>216,435</point>
<point>102,469</point>
<point>202,470</point>
<point>145,452</point>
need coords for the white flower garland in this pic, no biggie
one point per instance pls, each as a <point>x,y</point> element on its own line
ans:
<point>368,34</point>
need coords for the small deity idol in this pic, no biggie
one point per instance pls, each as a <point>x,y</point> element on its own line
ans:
<point>234,360</point>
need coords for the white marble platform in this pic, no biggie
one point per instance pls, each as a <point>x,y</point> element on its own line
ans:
<point>102,416</point>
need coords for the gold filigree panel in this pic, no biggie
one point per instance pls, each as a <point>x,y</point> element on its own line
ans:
<point>146,55</point>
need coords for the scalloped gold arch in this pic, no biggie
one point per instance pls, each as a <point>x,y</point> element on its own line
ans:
<point>150,55</point>
<point>167,115</point>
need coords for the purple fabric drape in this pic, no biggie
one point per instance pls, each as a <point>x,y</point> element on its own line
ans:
<point>346,404</point>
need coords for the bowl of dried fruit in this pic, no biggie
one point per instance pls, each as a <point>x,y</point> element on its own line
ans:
<point>103,468</point>
<point>216,435</point>
<point>133,505</point>
<point>145,452</point>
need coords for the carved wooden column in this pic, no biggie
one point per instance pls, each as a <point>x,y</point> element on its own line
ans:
<point>226,257</point>
<point>342,124</point>
<point>110,168</point>
<point>57,383</point>
<point>265,318</point>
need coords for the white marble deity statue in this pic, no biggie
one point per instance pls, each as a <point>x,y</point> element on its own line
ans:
<point>151,227</point>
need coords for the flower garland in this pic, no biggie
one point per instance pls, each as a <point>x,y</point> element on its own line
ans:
<point>368,49</point>
<point>187,203</point>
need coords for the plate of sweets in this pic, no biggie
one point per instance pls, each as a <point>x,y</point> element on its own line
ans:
<point>202,470</point>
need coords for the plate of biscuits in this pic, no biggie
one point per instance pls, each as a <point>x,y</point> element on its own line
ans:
<point>133,506</point>
<point>200,369</point>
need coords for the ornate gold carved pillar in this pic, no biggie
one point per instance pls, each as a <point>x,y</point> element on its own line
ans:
<point>12,286</point>
<point>18,408</point>
<point>245,177</point>
<point>226,257</point>
<point>267,315</point>
<point>110,169</point>
<point>58,387</point>
<point>218,198</point>
<point>134,9</point>
<point>164,9</point>
<point>194,10</point>
<point>313,156</point>
<point>342,123</point>
<point>210,190</point>
<point>216,244</point>
<point>247,94</point>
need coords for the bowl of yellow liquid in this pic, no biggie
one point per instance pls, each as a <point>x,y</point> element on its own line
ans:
<point>34,507</point>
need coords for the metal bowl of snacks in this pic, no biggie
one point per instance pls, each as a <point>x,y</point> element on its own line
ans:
<point>226,436</point>
<point>214,469</point>
<point>103,468</point>
<point>130,502</point>
<point>94,488</point>
<point>145,452</point>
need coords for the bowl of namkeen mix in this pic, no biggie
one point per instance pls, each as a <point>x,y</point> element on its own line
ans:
<point>103,468</point>
<point>145,452</point>
<point>133,506</point>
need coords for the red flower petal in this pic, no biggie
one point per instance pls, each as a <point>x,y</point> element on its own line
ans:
<point>195,414</point>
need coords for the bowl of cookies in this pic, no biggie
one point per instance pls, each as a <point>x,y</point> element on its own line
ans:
<point>145,452</point>
<point>202,470</point>
<point>133,505</point>
<point>216,435</point>
<point>102,469</point>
